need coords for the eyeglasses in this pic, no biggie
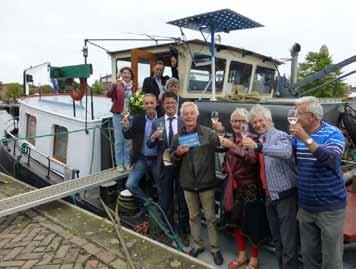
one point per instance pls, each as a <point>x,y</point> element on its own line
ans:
<point>237,121</point>
<point>302,113</point>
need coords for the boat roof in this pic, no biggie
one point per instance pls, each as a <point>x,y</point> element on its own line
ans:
<point>62,105</point>
<point>219,47</point>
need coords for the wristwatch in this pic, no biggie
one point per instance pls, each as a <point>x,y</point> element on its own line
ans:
<point>309,141</point>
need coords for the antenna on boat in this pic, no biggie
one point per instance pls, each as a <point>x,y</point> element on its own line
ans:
<point>224,20</point>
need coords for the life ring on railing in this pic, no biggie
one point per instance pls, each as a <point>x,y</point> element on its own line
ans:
<point>78,95</point>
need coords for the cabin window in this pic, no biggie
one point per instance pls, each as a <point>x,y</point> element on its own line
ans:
<point>200,73</point>
<point>239,76</point>
<point>263,82</point>
<point>31,128</point>
<point>144,70</point>
<point>60,144</point>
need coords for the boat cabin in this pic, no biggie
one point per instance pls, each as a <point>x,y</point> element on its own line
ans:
<point>62,141</point>
<point>237,70</point>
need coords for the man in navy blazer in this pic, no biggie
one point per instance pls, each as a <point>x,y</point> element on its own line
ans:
<point>168,178</point>
<point>143,157</point>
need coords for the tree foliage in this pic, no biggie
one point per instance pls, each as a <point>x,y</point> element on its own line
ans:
<point>314,62</point>
<point>97,88</point>
<point>44,89</point>
<point>14,91</point>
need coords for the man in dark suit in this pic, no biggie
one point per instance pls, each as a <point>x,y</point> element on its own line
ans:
<point>163,130</point>
<point>155,84</point>
<point>143,157</point>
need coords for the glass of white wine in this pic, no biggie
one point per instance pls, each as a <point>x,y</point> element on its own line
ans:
<point>244,130</point>
<point>292,116</point>
<point>126,114</point>
<point>214,116</point>
<point>160,127</point>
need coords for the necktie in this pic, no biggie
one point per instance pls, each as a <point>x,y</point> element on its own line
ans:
<point>170,131</point>
<point>262,168</point>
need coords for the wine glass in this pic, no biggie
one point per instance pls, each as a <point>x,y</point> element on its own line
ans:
<point>292,116</point>
<point>160,127</point>
<point>220,132</point>
<point>126,114</point>
<point>214,116</point>
<point>244,130</point>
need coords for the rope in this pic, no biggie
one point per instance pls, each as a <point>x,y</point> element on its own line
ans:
<point>152,212</point>
<point>115,219</point>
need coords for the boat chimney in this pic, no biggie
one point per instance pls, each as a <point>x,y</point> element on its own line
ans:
<point>294,51</point>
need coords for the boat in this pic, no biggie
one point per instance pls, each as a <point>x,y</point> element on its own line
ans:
<point>56,138</point>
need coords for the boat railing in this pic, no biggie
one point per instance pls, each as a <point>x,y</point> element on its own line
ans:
<point>51,164</point>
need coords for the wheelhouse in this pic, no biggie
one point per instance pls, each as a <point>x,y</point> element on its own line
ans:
<point>237,70</point>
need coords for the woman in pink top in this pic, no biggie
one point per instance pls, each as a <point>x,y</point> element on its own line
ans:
<point>120,94</point>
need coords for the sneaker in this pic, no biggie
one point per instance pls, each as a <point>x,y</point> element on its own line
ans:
<point>128,168</point>
<point>120,168</point>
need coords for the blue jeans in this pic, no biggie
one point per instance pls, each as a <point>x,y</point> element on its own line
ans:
<point>133,182</point>
<point>122,145</point>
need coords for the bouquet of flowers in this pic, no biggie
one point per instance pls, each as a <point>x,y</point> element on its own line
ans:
<point>136,103</point>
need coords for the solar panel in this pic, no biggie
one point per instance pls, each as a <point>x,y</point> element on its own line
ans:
<point>224,20</point>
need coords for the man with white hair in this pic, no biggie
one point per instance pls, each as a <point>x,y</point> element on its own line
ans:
<point>278,176</point>
<point>321,191</point>
<point>194,152</point>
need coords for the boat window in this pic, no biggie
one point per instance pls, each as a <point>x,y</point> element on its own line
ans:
<point>60,143</point>
<point>31,128</point>
<point>263,81</point>
<point>200,73</point>
<point>239,76</point>
<point>143,70</point>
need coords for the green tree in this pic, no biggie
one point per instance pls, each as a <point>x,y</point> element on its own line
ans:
<point>44,89</point>
<point>14,91</point>
<point>97,88</point>
<point>314,62</point>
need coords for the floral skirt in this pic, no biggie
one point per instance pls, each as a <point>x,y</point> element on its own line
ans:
<point>248,214</point>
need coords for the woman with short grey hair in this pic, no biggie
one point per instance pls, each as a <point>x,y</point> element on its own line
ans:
<point>243,208</point>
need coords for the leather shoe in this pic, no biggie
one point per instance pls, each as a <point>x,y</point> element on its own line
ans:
<point>194,252</point>
<point>218,257</point>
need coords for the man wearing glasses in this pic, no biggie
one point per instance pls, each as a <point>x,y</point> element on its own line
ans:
<point>321,191</point>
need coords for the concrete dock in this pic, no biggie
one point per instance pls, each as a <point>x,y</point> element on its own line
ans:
<point>58,235</point>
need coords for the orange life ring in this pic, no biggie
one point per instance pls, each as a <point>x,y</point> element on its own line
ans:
<point>78,95</point>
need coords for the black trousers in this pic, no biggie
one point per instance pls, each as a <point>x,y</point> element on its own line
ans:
<point>171,191</point>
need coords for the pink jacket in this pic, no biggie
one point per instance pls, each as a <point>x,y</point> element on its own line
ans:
<point>117,95</point>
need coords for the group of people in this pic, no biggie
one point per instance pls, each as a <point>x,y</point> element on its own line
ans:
<point>287,186</point>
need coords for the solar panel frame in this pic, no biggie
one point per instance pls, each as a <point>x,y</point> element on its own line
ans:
<point>224,20</point>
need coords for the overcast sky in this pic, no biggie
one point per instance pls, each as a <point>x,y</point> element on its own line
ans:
<point>33,32</point>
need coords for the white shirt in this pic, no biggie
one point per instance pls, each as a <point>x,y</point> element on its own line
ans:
<point>174,124</point>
